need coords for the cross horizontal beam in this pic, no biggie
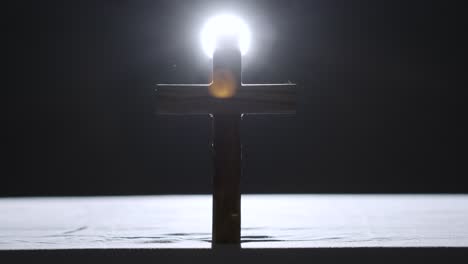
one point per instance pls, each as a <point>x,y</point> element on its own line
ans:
<point>249,98</point>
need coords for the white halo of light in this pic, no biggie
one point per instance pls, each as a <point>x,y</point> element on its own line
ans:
<point>225,25</point>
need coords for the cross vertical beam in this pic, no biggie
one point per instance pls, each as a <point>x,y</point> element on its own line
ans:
<point>226,179</point>
<point>227,80</point>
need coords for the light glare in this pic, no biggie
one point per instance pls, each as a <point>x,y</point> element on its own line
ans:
<point>225,26</point>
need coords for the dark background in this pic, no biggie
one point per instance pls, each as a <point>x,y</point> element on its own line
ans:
<point>380,110</point>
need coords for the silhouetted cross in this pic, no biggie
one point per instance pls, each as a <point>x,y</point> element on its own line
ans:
<point>226,100</point>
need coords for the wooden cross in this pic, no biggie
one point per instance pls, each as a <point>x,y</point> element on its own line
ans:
<point>226,100</point>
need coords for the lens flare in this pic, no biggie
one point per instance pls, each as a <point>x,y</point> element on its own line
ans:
<point>225,26</point>
<point>224,84</point>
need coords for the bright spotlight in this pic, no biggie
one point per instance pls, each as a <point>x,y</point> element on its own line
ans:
<point>223,26</point>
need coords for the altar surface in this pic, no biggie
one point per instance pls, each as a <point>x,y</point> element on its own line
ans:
<point>268,221</point>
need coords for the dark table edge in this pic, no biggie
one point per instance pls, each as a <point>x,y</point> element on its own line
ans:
<point>236,255</point>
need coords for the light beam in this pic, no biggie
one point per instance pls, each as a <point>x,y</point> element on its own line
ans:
<point>225,26</point>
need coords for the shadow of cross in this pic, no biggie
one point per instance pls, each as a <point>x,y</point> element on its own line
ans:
<point>226,100</point>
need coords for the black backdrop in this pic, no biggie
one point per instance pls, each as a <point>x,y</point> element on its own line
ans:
<point>381,105</point>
